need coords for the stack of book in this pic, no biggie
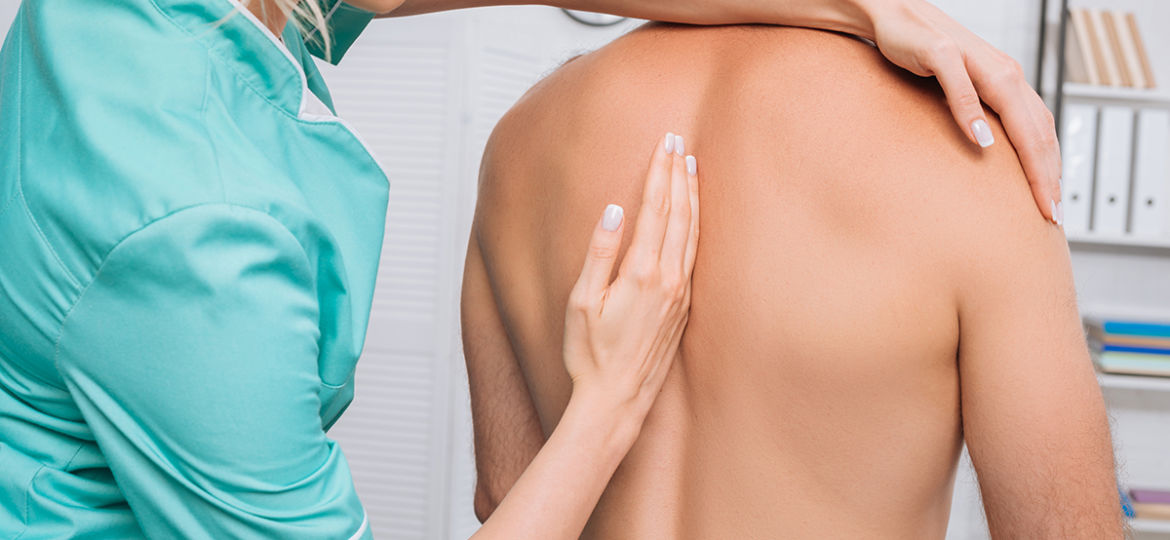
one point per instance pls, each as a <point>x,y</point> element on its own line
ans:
<point>1106,48</point>
<point>1149,503</point>
<point>1130,348</point>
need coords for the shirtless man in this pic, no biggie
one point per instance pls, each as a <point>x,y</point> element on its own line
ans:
<point>871,290</point>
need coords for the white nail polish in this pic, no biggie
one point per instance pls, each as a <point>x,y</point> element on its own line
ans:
<point>669,143</point>
<point>612,218</point>
<point>1060,213</point>
<point>692,166</point>
<point>1052,206</point>
<point>678,145</point>
<point>982,133</point>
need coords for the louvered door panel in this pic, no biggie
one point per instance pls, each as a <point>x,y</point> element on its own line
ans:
<point>425,92</point>
<point>399,87</point>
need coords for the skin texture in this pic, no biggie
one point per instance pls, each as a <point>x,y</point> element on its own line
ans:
<point>870,291</point>
<point>913,34</point>
<point>621,338</point>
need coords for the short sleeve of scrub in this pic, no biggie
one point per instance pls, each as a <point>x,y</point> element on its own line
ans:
<point>346,23</point>
<point>193,356</point>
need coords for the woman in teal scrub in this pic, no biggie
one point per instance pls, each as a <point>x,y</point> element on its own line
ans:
<point>189,239</point>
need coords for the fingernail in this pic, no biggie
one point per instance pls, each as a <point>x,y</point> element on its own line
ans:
<point>692,166</point>
<point>612,218</point>
<point>1060,213</point>
<point>982,133</point>
<point>669,143</point>
<point>678,144</point>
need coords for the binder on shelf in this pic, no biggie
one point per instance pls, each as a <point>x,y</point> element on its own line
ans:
<point>1078,140</point>
<point>1114,39</point>
<point>1114,145</point>
<point>1150,209</point>
<point>1129,50</point>
<point>1102,50</point>
<point>1140,45</point>
<point>1079,62</point>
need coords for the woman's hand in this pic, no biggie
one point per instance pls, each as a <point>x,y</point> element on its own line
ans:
<point>921,38</point>
<point>621,337</point>
<point>910,33</point>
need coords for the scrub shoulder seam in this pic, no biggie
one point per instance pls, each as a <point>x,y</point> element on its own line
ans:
<point>105,258</point>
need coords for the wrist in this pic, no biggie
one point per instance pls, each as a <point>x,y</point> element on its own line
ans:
<point>855,17</point>
<point>610,420</point>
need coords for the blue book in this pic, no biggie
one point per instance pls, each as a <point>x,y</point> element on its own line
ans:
<point>1131,328</point>
<point>1141,350</point>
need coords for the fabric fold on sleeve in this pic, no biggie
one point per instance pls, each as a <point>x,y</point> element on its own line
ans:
<point>193,357</point>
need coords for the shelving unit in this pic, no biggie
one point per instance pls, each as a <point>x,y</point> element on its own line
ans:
<point>1157,245</point>
<point>1139,97</point>
<point>1124,272</point>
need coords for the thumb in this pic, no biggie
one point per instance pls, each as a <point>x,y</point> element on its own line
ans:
<point>603,252</point>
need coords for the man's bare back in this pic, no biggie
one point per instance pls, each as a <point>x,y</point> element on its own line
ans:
<point>870,286</point>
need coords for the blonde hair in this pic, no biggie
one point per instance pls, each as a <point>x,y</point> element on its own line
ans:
<point>308,17</point>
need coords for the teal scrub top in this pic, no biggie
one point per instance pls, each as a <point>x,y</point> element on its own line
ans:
<point>188,245</point>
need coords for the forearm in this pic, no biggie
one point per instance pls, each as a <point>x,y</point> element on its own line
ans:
<point>849,16</point>
<point>555,496</point>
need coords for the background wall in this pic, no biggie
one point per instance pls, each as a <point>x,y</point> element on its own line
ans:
<point>425,92</point>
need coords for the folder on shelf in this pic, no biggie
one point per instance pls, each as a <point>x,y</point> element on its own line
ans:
<point>1133,364</point>
<point>1102,50</point>
<point>1098,339</point>
<point>1078,139</point>
<point>1156,496</point>
<point>1140,350</point>
<point>1128,50</point>
<point>1114,153</point>
<point>1079,62</point>
<point>1149,329</point>
<point>1150,212</point>
<point>1114,39</point>
<point>1151,511</point>
<point>1140,45</point>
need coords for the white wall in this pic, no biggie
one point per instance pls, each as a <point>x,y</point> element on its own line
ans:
<point>7,12</point>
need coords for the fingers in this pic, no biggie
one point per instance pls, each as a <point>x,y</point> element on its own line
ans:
<point>654,213</point>
<point>693,238</point>
<point>603,252</point>
<point>678,228</point>
<point>1029,125</point>
<point>951,72</point>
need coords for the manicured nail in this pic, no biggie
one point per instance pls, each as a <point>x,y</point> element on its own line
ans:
<point>1060,214</point>
<point>613,218</point>
<point>678,144</point>
<point>692,166</point>
<point>669,143</point>
<point>982,133</point>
